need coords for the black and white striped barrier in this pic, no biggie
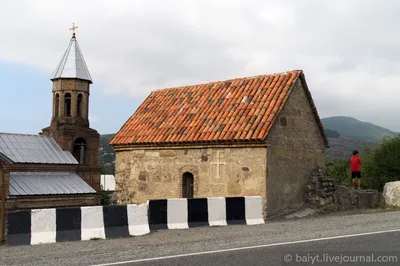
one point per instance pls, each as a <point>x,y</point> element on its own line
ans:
<point>30,227</point>
<point>39,226</point>
<point>188,213</point>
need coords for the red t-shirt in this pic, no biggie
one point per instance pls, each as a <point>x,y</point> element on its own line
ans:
<point>355,162</point>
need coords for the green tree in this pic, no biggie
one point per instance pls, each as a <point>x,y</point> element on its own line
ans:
<point>381,164</point>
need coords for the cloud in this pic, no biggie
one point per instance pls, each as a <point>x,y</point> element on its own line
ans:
<point>348,48</point>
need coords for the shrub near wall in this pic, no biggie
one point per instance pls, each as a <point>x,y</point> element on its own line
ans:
<point>381,164</point>
<point>339,171</point>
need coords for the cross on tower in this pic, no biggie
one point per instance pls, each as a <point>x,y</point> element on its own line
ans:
<point>73,29</point>
<point>218,170</point>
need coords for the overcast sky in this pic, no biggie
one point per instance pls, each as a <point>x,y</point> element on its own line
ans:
<point>348,49</point>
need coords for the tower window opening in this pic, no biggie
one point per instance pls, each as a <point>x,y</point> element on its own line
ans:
<point>67,103</point>
<point>79,105</point>
<point>57,105</point>
<point>79,150</point>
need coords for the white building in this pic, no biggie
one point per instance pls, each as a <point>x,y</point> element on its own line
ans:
<point>108,182</point>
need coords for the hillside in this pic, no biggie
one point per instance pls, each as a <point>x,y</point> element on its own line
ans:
<point>107,155</point>
<point>357,130</point>
<point>345,135</point>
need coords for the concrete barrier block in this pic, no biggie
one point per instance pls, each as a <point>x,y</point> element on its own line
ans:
<point>177,214</point>
<point>68,223</point>
<point>197,212</point>
<point>216,211</point>
<point>158,214</point>
<point>92,224</point>
<point>43,226</point>
<point>19,228</point>
<point>138,222</point>
<point>253,207</point>
<point>235,210</point>
<point>115,221</point>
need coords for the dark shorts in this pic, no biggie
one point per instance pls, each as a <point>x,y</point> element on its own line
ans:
<point>355,174</point>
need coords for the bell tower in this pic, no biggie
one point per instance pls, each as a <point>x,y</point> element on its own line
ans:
<point>69,124</point>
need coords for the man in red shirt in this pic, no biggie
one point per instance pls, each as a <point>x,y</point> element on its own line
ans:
<point>355,169</point>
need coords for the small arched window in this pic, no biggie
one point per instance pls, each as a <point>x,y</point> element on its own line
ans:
<point>57,105</point>
<point>79,150</point>
<point>67,104</point>
<point>187,185</point>
<point>79,105</point>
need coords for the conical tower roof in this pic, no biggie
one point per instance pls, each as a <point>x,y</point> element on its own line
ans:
<point>72,64</point>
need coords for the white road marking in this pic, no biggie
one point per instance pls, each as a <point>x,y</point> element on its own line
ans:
<point>249,247</point>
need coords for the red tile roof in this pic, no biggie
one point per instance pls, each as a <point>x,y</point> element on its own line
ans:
<point>233,110</point>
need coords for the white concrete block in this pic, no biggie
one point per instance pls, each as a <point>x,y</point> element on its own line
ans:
<point>138,222</point>
<point>177,214</point>
<point>43,226</point>
<point>253,206</point>
<point>92,222</point>
<point>216,211</point>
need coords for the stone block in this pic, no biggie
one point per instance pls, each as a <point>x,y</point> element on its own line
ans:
<point>167,153</point>
<point>368,198</point>
<point>391,194</point>
<point>152,154</point>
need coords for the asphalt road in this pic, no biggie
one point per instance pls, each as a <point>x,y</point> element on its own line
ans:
<point>352,249</point>
<point>275,239</point>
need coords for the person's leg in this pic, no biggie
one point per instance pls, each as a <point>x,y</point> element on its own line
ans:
<point>359,180</point>
<point>353,179</point>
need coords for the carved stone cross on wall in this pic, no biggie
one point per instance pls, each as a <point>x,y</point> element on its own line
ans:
<point>218,164</point>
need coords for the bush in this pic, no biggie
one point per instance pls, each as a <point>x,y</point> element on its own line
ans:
<point>381,164</point>
<point>339,171</point>
<point>105,198</point>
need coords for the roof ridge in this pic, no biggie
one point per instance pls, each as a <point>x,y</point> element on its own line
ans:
<point>23,134</point>
<point>229,79</point>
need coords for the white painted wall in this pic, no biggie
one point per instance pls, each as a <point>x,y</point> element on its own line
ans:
<point>107,182</point>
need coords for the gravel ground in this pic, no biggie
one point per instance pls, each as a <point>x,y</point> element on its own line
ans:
<point>171,242</point>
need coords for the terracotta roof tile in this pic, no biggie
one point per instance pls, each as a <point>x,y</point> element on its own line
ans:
<point>238,109</point>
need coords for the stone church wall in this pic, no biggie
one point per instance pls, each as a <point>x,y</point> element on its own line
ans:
<point>296,149</point>
<point>157,174</point>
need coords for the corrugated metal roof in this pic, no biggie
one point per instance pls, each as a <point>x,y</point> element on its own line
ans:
<point>72,64</point>
<point>47,183</point>
<point>5,159</point>
<point>23,148</point>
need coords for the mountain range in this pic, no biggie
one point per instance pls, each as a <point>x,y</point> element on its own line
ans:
<point>345,134</point>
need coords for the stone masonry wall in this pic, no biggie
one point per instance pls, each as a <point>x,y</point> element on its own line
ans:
<point>296,149</point>
<point>321,192</point>
<point>323,195</point>
<point>157,174</point>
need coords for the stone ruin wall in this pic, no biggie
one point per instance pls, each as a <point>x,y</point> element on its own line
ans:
<point>324,195</point>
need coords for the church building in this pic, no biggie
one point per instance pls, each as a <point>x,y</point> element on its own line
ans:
<point>253,136</point>
<point>60,166</point>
